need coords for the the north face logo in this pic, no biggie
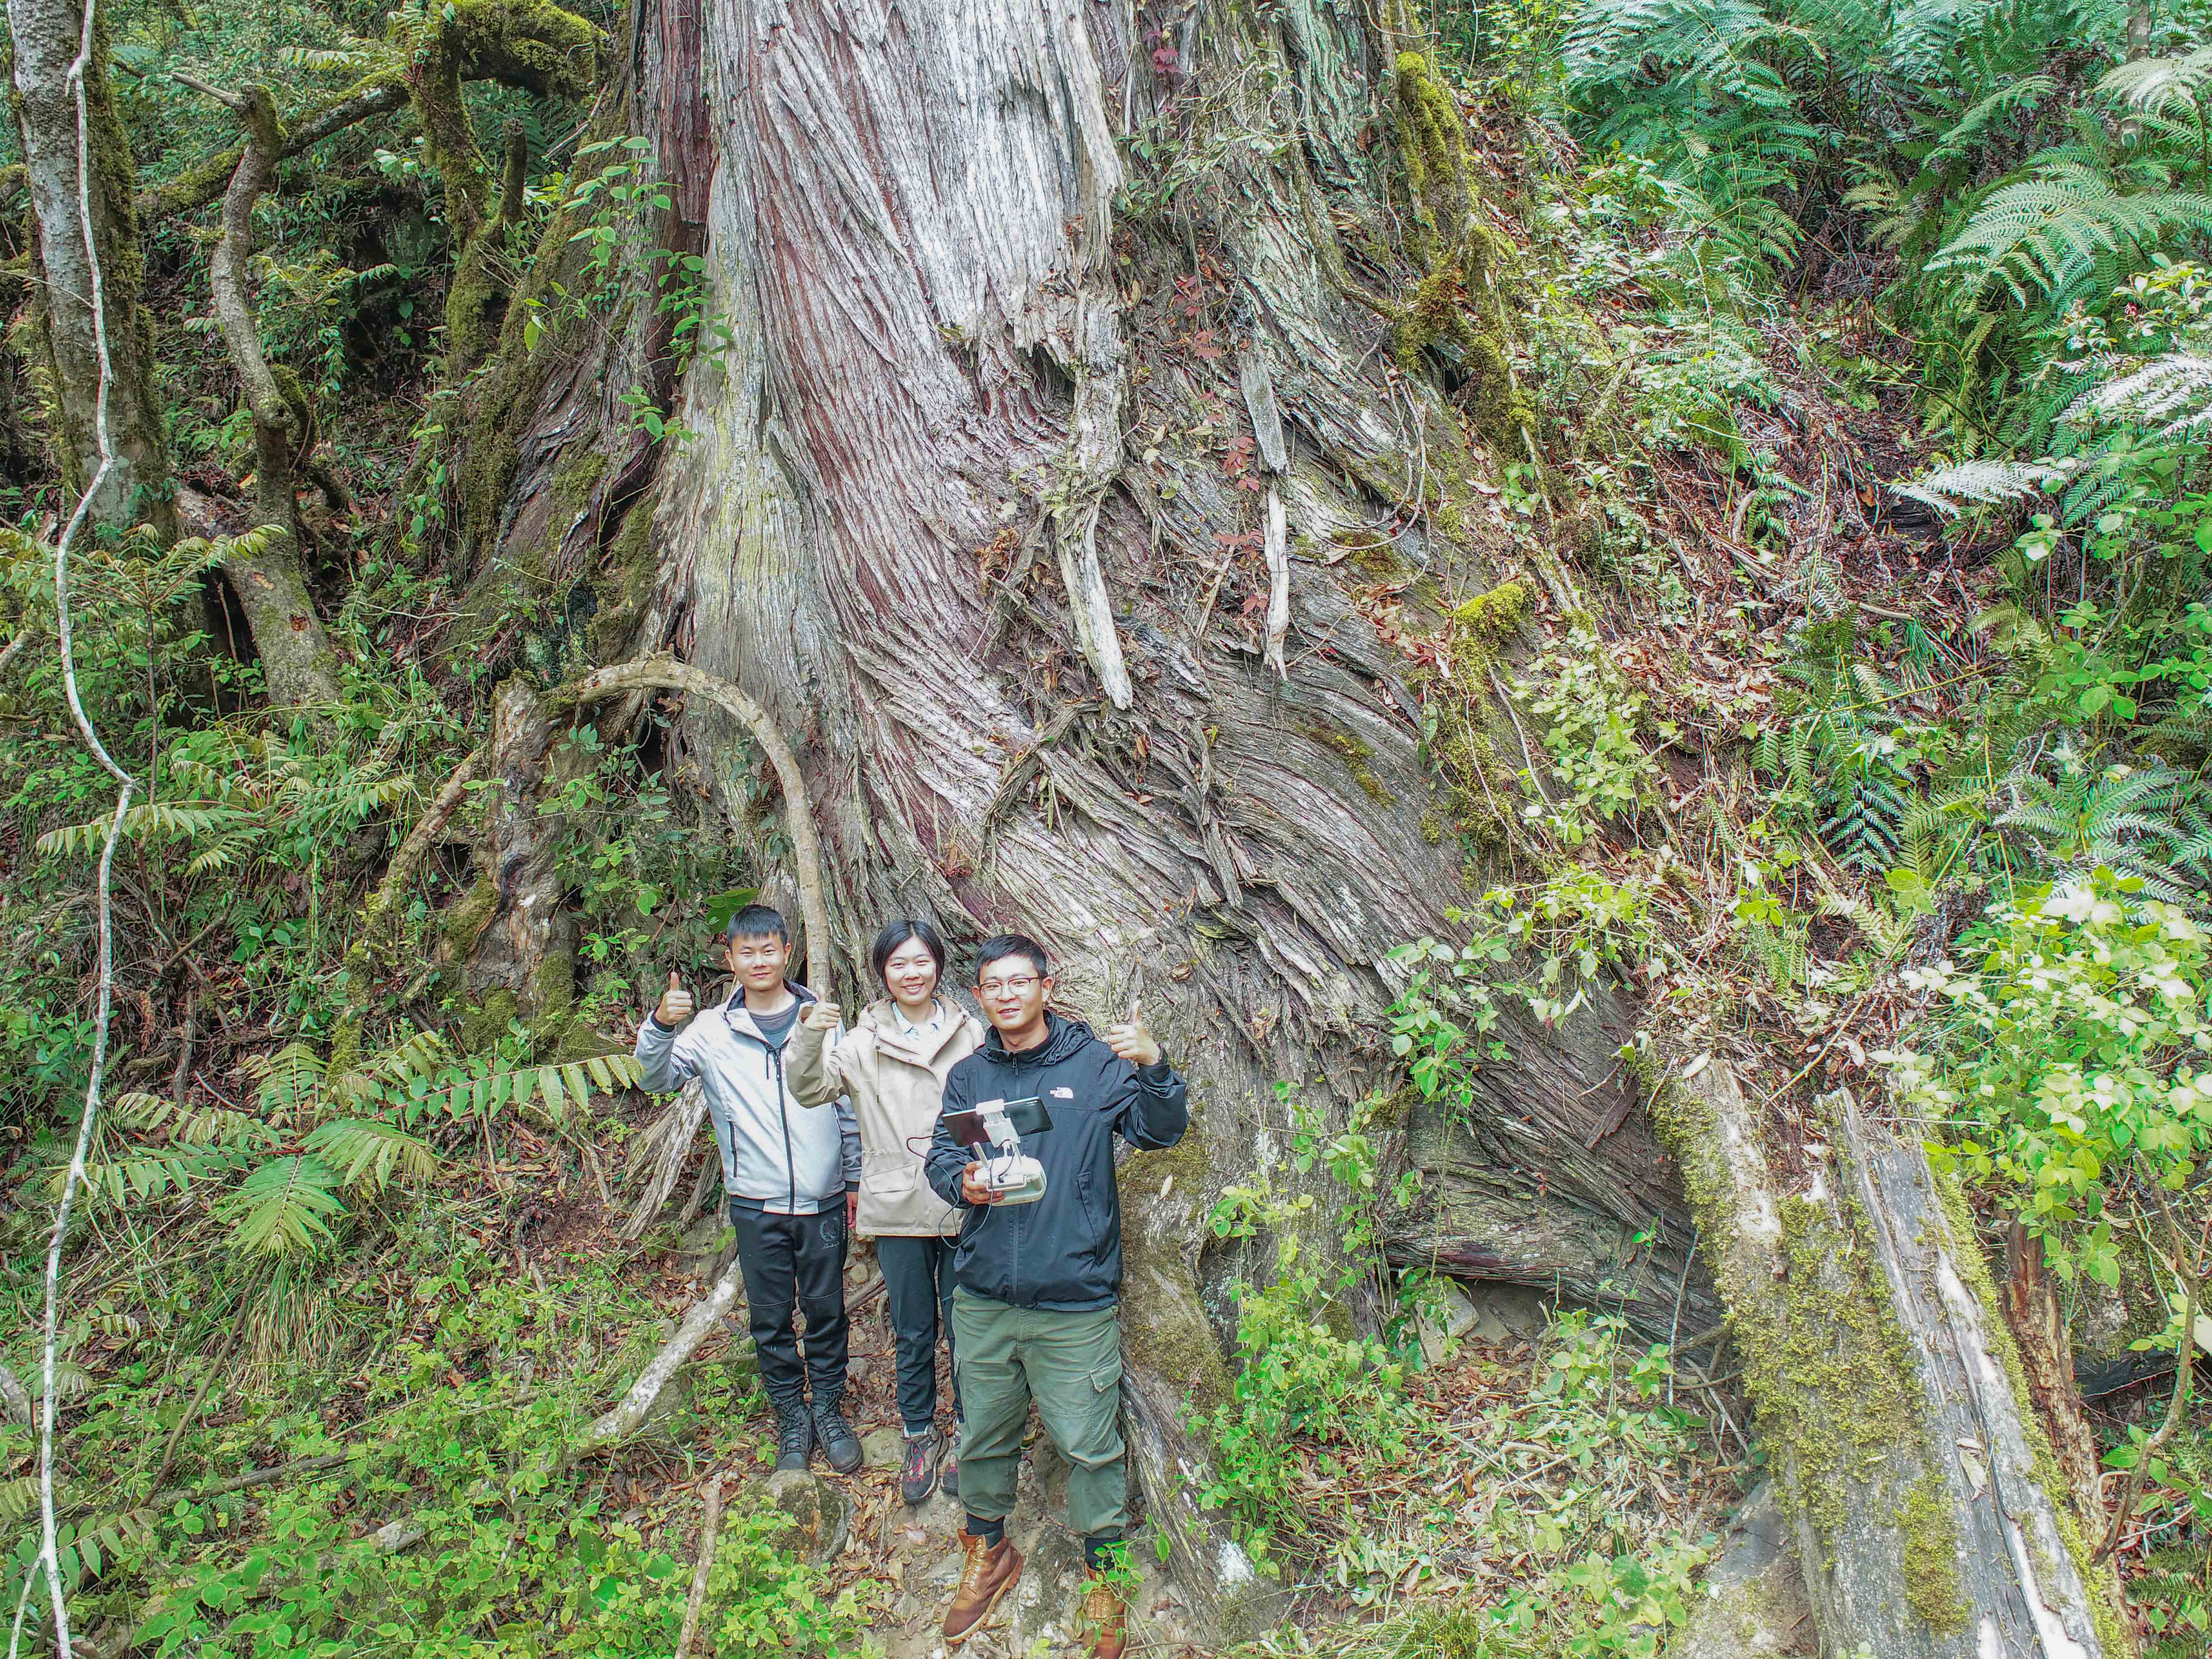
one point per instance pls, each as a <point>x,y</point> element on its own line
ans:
<point>1063,1094</point>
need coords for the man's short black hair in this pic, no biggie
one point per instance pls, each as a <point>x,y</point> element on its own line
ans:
<point>897,933</point>
<point>756,921</point>
<point>999,946</point>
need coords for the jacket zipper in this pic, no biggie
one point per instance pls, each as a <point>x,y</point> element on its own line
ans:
<point>772,1069</point>
<point>783,1117</point>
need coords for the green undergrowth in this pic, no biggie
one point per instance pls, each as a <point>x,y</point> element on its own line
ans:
<point>1502,1500</point>
<point>418,1389</point>
<point>1553,1485</point>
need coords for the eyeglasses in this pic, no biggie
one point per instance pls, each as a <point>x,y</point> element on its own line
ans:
<point>991,988</point>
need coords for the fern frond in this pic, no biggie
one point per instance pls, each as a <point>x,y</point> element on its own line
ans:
<point>2172,392</point>
<point>289,1078</point>
<point>154,820</point>
<point>282,1207</point>
<point>1973,127</point>
<point>367,1153</point>
<point>2038,238</point>
<point>18,1498</point>
<point>2160,84</point>
<point>1951,489</point>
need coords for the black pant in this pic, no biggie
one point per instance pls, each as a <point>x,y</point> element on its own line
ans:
<point>796,1261</point>
<point>918,1291</point>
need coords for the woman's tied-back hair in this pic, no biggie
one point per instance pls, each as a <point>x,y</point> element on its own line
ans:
<point>899,932</point>
<point>999,946</point>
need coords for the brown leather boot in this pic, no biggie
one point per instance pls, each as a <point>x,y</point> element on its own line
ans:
<point>989,1574</point>
<point>1105,1620</point>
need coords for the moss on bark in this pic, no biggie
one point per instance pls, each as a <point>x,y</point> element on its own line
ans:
<point>1455,302</point>
<point>1164,1326</point>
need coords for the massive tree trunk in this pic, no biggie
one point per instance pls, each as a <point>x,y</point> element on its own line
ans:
<point>47,36</point>
<point>940,347</point>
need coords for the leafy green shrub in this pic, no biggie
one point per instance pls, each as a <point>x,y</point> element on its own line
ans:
<point>1591,715</point>
<point>1306,1401</point>
<point>2070,1055</point>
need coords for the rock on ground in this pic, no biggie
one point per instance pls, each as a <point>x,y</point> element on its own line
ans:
<point>1038,1619</point>
<point>821,1514</point>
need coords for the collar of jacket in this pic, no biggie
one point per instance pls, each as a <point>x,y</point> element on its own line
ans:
<point>1062,1038</point>
<point>739,1018</point>
<point>882,1018</point>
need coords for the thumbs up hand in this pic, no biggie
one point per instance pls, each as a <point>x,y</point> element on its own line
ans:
<point>1129,1039</point>
<point>676,1004</point>
<point>821,1015</point>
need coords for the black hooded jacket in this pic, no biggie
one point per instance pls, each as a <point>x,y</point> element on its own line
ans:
<point>1063,1252</point>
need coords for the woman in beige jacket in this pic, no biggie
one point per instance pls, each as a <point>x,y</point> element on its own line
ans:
<point>891,1067</point>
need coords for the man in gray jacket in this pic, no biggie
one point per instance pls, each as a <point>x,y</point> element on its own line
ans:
<point>792,1176</point>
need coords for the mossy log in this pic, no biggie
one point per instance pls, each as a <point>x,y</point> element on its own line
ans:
<point>1930,1519</point>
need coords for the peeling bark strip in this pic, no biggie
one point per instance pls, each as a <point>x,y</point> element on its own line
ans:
<point>1931,1521</point>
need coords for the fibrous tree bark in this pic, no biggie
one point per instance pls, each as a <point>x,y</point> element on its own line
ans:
<point>938,346</point>
<point>46,36</point>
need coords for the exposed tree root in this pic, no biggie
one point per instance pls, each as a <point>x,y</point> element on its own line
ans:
<point>665,673</point>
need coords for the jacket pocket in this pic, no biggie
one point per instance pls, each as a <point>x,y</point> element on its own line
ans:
<point>1091,1222</point>
<point>896,1182</point>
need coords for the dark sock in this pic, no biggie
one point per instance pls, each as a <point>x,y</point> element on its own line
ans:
<point>1098,1550</point>
<point>991,1532</point>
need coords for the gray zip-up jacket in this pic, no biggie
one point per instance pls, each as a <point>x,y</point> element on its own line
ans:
<point>774,1153</point>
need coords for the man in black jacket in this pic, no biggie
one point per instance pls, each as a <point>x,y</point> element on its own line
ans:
<point>1036,1286</point>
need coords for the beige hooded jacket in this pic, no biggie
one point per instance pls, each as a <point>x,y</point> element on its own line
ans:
<point>895,1088</point>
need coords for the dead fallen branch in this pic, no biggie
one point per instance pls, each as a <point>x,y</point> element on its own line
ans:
<point>627,1418</point>
<point>710,1528</point>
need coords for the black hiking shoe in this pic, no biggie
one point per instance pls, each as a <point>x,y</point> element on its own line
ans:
<point>835,1437</point>
<point>920,1473</point>
<point>794,1437</point>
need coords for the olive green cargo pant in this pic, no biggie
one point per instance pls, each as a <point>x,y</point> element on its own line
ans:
<point>1071,1364</point>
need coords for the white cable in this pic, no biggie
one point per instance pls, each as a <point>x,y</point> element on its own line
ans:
<point>49,1536</point>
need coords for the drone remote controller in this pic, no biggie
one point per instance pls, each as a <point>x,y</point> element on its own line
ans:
<point>993,1129</point>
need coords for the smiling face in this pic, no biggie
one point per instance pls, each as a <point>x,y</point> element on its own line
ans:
<point>910,974</point>
<point>758,961</point>
<point>1013,995</point>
